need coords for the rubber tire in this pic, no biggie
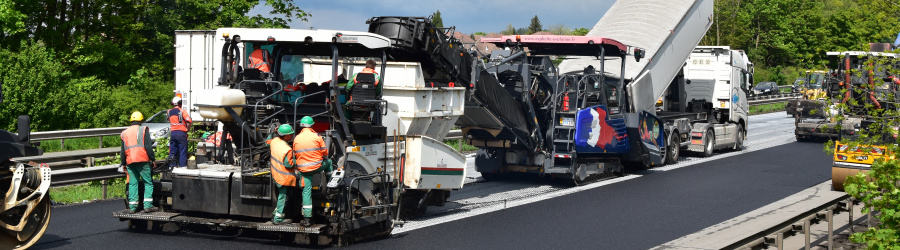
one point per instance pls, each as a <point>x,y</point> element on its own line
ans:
<point>674,149</point>
<point>709,144</point>
<point>739,142</point>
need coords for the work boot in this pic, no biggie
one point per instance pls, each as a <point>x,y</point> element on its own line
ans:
<point>130,211</point>
<point>285,221</point>
<point>151,209</point>
<point>305,222</point>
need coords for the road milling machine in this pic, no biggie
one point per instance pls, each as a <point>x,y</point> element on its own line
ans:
<point>25,208</point>
<point>857,79</point>
<point>387,147</point>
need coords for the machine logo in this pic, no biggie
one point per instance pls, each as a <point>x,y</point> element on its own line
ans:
<point>601,134</point>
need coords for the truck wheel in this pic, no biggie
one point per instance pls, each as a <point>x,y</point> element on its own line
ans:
<point>739,141</point>
<point>674,149</point>
<point>709,144</point>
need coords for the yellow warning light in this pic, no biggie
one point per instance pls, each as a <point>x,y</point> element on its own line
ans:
<point>225,35</point>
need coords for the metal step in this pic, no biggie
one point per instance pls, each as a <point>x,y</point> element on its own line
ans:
<point>291,228</point>
<point>563,141</point>
<point>154,216</point>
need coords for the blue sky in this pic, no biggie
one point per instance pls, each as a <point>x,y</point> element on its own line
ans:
<point>467,15</point>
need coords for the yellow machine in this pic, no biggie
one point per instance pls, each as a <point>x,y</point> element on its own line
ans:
<point>812,89</point>
<point>849,161</point>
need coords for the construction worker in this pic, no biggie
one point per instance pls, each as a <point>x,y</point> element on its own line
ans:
<point>367,75</point>
<point>281,163</point>
<point>260,59</point>
<point>179,122</point>
<point>137,155</point>
<point>311,158</point>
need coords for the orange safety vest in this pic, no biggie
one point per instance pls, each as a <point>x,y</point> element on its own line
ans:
<point>178,121</point>
<point>281,173</point>
<point>309,150</point>
<point>133,138</point>
<point>260,59</point>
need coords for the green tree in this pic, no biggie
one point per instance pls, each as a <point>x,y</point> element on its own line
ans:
<point>535,25</point>
<point>80,64</point>
<point>437,20</point>
<point>509,30</point>
<point>559,29</point>
<point>580,31</point>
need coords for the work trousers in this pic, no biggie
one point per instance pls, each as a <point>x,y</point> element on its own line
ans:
<point>139,172</point>
<point>306,182</point>
<point>279,205</point>
<point>178,147</point>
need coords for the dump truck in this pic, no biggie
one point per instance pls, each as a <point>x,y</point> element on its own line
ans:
<point>25,208</point>
<point>387,147</point>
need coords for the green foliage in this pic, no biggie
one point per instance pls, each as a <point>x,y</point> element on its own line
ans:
<point>89,191</point>
<point>465,146</point>
<point>437,20</point>
<point>559,29</point>
<point>84,64</point>
<point>535,25</point>
<point>878,188</point>
<point>766,108</point>
<point>580,31</point>
<point>510,30</point>
<point>479,33</point>
<point>799,32</point>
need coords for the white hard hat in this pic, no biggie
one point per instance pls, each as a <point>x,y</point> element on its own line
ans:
<point>176,101</point>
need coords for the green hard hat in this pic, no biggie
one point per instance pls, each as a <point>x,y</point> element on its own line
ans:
<point>285,129</point>
<point>306,122</point>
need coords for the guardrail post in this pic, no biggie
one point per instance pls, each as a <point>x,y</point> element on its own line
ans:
<point>103,184</point>
<point>101,141</point>
<point>806,233</point>
<point>830,229</point>
<point>850,211</point>
<point>459,143</point>
<point>779,241</point>
<point>62,144</point>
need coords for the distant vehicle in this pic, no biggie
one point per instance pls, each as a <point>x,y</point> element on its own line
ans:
<point>765,88</point>
<point>798,84</point>
<point>158,125</point>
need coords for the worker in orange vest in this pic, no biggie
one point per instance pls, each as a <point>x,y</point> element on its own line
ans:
<point>363,79</point>
<point>260,59</point>
<point>282,169</point>
<point>311,158</point>
<point>179,122</point>
<point>137,155</point>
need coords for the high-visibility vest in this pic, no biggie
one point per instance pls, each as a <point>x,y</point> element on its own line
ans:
<point>281,173</point>
<point>133,138</point>
<point>178,121</point>
<point>260,59</point>
<point>217,138</point>
<point>309,150</point>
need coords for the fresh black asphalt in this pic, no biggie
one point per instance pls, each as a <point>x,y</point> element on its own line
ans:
<point>636,214</point>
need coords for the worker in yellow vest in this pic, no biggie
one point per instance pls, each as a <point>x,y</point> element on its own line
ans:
<point>137,155</point>
<point>282,169</point>
<point>311,156</point>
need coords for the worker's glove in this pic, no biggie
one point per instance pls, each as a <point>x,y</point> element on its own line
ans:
<point>121,169</point>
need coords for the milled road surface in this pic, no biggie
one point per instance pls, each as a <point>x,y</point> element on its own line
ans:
<point>639,211</point>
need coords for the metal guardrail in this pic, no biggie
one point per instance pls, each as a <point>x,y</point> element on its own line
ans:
<point>799,226</point>
<point>76,133</point>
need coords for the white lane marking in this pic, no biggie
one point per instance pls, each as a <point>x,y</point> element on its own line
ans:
<point>492,206</point>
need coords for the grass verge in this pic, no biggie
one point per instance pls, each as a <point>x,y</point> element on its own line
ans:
<point>466,148</point>
<point>767,108</point>
<point>88,191</point>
